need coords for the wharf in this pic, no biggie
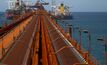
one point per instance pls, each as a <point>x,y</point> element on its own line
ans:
<point>39,40</point>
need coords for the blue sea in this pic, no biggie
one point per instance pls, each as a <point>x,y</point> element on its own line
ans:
<point>3,19</point>
<point>94,22</point>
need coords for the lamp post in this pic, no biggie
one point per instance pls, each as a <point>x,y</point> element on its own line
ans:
<point>66,26</point>
<point>80,37</point>
<point>89,41</point>
<point>105,48</point>
<point>80,34</point>
<point>70,30</point>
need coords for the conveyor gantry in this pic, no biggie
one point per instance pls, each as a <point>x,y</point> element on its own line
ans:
<point>38,40</point>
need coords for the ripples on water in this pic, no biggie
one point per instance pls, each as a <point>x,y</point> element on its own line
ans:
<point>96,23</point>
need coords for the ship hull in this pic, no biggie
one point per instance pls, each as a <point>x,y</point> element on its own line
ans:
<point>9,14</point>
<point>65,17</point>
<point>10,17</point>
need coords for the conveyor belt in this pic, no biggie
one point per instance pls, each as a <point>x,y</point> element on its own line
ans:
<point>42,43</point>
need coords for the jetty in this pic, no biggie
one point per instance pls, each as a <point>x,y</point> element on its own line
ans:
<point>35,38</point>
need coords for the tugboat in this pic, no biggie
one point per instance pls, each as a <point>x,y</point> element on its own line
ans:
<point>62,12</point>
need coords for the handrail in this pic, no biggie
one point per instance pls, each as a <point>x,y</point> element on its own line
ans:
<point>15,23</point>
<point>77,46</point>
<point>12,33</point>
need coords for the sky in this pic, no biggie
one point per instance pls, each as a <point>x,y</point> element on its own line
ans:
<point>75,5</point>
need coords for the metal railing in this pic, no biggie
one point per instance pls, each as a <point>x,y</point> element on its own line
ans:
<point>7,39</point>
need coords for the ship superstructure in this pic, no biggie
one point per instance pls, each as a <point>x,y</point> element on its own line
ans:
<point>15,7</point>
<point>13,4</point>
<point>36,39</point>
<point>61,11</point>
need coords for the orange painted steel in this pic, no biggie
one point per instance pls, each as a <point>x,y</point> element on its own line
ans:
<point>66,56</point>
<point>52,60</point>
<point>8,39</point>
<point>48,51</point>
<point>77,46</point>
<point>35,45</point>
<point>20,50</point>
<point>79,64</point>
<point>50,45</point>
<point>43,50</point>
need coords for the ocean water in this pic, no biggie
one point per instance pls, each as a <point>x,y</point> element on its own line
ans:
<point>96,24</point>
<point>3,19</point>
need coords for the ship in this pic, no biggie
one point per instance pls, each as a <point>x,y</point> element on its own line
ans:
<point>15,9</point>
<point>40,40</point>
<point>62,12</point>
